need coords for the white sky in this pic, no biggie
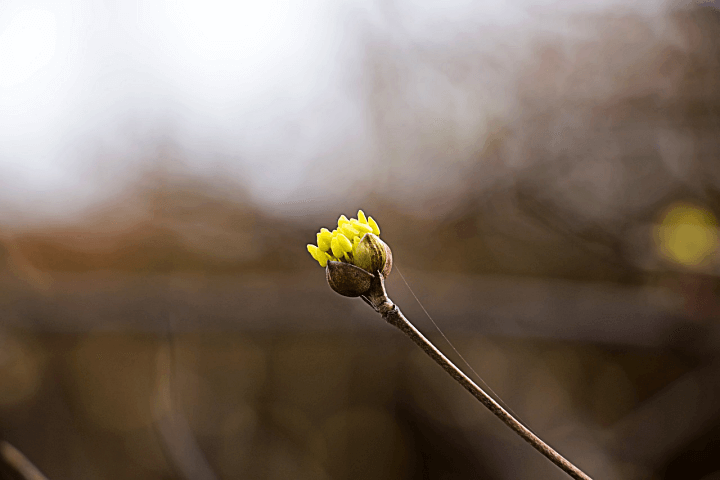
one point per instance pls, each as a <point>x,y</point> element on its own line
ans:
<point>264,91</point>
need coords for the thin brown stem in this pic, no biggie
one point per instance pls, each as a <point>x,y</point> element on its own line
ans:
<point>14,457</point>
<point>378,299</point>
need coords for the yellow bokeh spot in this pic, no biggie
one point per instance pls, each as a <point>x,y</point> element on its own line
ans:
<point>688,235</point>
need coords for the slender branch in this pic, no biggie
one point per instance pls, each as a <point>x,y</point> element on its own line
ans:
<point>378,299</point>
<point>19,462</point>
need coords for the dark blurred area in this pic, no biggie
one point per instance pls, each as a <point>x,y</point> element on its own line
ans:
<point>552,199</point>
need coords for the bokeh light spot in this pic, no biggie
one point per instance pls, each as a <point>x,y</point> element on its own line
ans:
<point>687,235</point>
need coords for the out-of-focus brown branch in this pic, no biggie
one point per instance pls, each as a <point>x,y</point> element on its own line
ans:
<point>14,457</point>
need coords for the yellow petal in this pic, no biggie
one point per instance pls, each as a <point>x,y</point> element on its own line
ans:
<point>349,231</point>
<point>318,255</point>
<point>335,246</point>
<point>323,239</point>
<point>373,224</point>
<point>363,228</point>
<point>361,217</point>
<point>344,243</point>
<point>342,220</point>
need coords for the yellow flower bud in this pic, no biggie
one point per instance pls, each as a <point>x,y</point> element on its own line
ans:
<point>355,242</point>
<point>345,243</point>
<point>363,228</point>
<point>336,248</point>
<point>323,261</point>
<point>323,239</point>
<point>374,226</point>
<point>349,231</point>
<point>318,255</point>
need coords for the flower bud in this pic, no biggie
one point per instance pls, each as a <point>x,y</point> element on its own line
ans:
<point>321,257</point>
<point>336,248</point>
<point>323,239</point>
<point>373,255</point>
<point>324,259</point>
<point>373,224</point>
<point>347,279</point>
<point>362,228</point>
<point>348,230</point>
<point>344,243</point>
<point>356,244</point>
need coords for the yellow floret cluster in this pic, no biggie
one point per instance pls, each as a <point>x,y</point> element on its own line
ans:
<point>339,245</point>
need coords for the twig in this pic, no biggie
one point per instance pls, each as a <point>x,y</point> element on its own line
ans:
<point>378,299</point>
<point>19,462</point>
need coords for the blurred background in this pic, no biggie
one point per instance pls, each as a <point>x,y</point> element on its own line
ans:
<point>547,174</point>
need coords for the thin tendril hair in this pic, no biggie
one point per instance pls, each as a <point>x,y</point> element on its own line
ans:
<point>497,397</point>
